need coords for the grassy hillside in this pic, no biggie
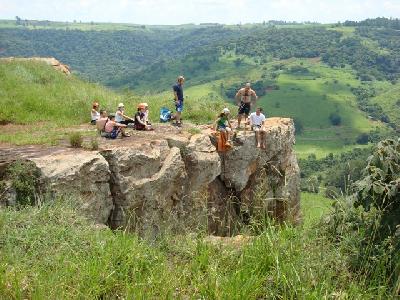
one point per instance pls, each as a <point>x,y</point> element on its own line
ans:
<point>50,104</point>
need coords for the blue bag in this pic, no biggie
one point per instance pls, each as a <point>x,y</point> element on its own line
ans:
<point>165,115</point>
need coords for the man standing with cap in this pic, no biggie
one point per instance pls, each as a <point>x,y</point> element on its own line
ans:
<point>245,95</point>
<point>178,97</point>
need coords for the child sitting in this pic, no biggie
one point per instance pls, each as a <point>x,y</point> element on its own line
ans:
<point>94,114</point>
<point>223,125</point>
<point>140,118</point>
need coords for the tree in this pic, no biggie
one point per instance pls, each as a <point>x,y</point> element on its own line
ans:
<point>335,119</point>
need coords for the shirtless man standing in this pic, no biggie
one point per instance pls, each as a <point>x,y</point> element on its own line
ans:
<point>245,95</point>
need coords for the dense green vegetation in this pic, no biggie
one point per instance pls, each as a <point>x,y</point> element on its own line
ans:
<point>338,82</point>
<point>350,253</point>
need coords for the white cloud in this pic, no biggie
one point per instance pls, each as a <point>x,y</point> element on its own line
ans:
<point>196,11</point>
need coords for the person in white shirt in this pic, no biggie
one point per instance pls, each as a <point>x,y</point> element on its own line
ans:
<point>257,120</point>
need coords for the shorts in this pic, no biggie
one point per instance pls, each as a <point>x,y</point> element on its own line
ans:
<point>93,122</point>
<point>244,108</point>
<point>256,127</point>
<point>223,128</point>
<point>179,106</point>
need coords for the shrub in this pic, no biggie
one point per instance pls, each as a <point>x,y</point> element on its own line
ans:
<point>335,119</point>
<point>94,144</point>
<point>24,177</point>
<point>332,192</point>
<point>298,126</point>
<point>362,139</point>
<point>76,140</point>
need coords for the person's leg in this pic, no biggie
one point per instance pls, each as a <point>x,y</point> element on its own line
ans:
<point>257,134</point>
<point>246,120</point>
<point>179,108</point>
<point>228,134</point>
<point>239,119</point>
<point>178,117</point>
<point>123,132</point>
<point>262,136</point>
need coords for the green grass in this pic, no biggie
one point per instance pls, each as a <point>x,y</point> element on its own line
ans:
<point>388,97</point>
<point>314,207</point>
<point>50,252</point>
<point>51,105</point>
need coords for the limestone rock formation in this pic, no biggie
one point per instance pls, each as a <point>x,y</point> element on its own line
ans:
<point>181,181</point>
<point>48,60</point>
<point>84,175</point>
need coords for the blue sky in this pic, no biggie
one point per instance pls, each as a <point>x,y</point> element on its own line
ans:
<point>197,11</point>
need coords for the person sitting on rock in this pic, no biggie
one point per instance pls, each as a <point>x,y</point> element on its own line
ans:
<point>140,118</point>
<point>112,128</point>
<point>223,125</point>
<point>120,116</point>
<point>257,120</point>
<point>94,114</point>
<point>101,122</point>
<point>146,113</point>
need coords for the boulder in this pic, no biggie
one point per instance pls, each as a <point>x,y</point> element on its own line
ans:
<point>202,162</point>
<point>82,175</point>
<point>147,184</point>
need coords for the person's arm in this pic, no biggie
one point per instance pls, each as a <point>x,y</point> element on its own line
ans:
<point>175,94</point>
<point>251,120</point>
<point>254,97</point>
<point>126,117</point>
<point>237,96</point>
<point>119,124</point>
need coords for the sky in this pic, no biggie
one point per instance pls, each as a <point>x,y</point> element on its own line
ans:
<point>198,11</point>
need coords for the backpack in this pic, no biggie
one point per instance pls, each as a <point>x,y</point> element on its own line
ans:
<point>165,115</point>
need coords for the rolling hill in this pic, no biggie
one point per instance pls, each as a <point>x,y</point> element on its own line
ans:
<point>313,73</point>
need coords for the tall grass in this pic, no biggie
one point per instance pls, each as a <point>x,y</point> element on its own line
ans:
<point>51,252</point>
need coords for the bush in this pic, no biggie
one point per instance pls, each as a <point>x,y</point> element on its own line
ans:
<point>298,126</point>
<point>24,177</point>
<point>335,119</point>
<point>362,139</point>
<point>94,144</point>
<point>76,140</point>
<point>332,192</point>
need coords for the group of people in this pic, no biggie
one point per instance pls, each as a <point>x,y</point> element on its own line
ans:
<point>111,125</point>
<point>114,124</point>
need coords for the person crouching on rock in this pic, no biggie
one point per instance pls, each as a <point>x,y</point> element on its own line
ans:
<point>140,118</point>
<point>112,128</point>
<point>120,116</point>
<point>94,114</point>
<point>223,125</point>
<point>257,120</point>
